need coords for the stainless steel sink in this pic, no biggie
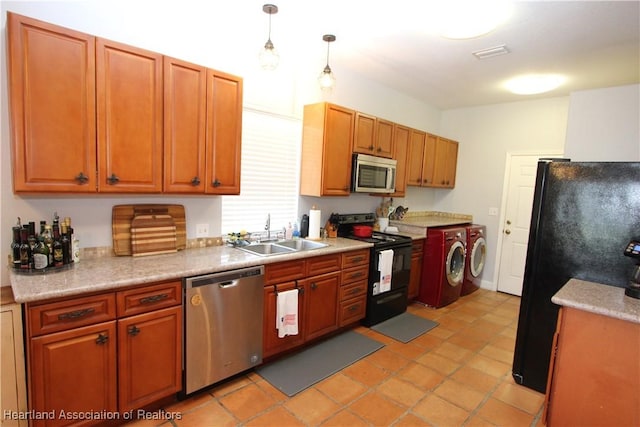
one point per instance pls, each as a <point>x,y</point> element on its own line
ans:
<point>282,247</point>
<point>301,244</point>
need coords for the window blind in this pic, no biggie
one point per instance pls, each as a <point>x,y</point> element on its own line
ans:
<point>270,164</point>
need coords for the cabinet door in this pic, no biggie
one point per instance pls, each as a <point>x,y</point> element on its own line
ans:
<point>149,357</point>
<point>446,156</point>
<point>129,105</point>
<point>336,157</point>
<point>224,133</point>
<point>364,135</point>
<point>429,160</point>
<point>185,91</point>
<point>321,304</point>
<point>416,269</point>
<point>401,149</point>
<point>384,138</point>
<point>272,344</point>
<point>74,371</point>
<point>13,387</point>
<point>416,155</point>
<point>53,125</point>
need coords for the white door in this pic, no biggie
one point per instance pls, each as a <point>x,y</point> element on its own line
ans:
<point>520,183</point>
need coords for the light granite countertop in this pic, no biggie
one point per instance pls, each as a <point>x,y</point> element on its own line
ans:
<point>598,298</point>
<point>111,273</point>
<point>418,222</point>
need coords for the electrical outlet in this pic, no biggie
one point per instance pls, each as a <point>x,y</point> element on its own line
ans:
<point>202,230</point>
<point>493,211</point>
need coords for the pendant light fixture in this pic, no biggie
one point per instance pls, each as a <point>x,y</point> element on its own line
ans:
<point>269,57</point>
<point>327,80</point>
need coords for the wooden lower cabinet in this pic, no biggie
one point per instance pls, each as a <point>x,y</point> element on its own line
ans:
<point>271,343</point>
<point>73,372</point>
<point>332,294</point>
<point>83,358</point>
<point>417,252</point>
<point>321,304</point>
<point>594,375</point>
<point>149,357</point>
<point>13,388</point>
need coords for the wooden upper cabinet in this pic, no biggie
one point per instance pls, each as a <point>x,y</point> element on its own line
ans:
<point>429,160</point>
<point>373,136</point>
<point>223,133</point>
<point>52,87</point>
<point>446,155</point>
<point>129,103</point>
<point>185,114</point>
<point>327,139</point>
<point>417,141</point>
<point>401,149</point>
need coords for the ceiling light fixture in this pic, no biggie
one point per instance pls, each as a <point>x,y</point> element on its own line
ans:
<point>491,52</point>
<point>327,80</point>
<point>269,57</point>
<point>532,84</point>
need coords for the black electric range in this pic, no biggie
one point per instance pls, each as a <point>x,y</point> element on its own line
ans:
<point>382,302</point>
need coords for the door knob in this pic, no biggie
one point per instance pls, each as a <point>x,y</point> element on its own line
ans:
<point>508,222</point>
<point>507,231</point>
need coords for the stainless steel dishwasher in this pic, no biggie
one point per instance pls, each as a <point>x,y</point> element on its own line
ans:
<point>223,325</point>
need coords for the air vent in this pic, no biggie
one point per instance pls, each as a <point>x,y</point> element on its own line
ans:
<point>491,52</point>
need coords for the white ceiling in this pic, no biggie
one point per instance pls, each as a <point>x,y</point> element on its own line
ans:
<point>594,44</point>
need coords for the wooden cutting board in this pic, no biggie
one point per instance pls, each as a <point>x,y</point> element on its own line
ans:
<point>123,215</point>
<point>153,234</point>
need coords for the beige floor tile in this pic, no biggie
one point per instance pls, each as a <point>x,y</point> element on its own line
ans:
<point>345,418</point>
<point>409,351</point>
<point>366,372</point>
<point>389,360</point>
<point>490,366</point>
<point>460,394</point>
<point>453,352</point>
<point>503,342</point>
<point>502,414</point>
<point>493,352</point>
<point>479,380</point>
<point>438,363</point>
<point>421,376</point>
<point>191,403</point>
<point>211,414</point>
<point>341,388</point>
<point>410,420</point>
<point>278,416</point>
<point>521,397</point>
<point>230,386</point>
<point>401,392</point>
<point>377,409</point>
<point>247,402</point>
<point>468,340</point>
<point>440,412</point>
<point>311,406</point>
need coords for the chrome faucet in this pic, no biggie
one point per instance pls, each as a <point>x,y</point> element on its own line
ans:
<point>267,226</point>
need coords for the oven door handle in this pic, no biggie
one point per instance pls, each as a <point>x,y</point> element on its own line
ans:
<point>388,298</point>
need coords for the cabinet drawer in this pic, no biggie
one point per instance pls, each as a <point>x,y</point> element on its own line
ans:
<point>352,310</point>
<point>353,290</point>
<point>354,274</point>
<point>62,315</point>
<point>283,272</point>
<point>359,257</point>
<point>323,264</point>
<point>148,298</point>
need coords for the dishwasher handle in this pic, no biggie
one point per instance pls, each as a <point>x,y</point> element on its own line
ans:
<point>224,278</point>
<point>228,284</point>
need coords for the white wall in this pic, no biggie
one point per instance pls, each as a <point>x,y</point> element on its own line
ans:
<point>217,34</point>
<point>604,125</point>
<point>486,135</point>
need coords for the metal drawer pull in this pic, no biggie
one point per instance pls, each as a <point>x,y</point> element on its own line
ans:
<point>354,307</point>
<point>153,298</point>
<point>358,259</point>
<point>102,339</point>
<point>355,290</point>
<point>133,330</point>
<point>358,274</point>
<point>76,314</point>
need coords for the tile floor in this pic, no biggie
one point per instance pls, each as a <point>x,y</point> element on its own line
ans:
<point>457,374</point>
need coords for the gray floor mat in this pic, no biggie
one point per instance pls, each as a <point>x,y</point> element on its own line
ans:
<point>294,373</point>
<point>404,327</point>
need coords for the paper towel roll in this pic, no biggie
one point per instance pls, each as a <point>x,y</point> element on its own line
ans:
<point>314,223</point>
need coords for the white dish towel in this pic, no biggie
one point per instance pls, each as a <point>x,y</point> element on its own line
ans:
<point>385,267</point>
<point>287,313</point>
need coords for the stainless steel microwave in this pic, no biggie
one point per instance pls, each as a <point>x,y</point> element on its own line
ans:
<point>371,174</point>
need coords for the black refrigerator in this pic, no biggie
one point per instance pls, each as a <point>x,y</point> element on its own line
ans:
<point>583,217</point>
